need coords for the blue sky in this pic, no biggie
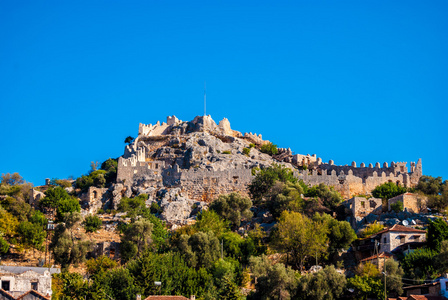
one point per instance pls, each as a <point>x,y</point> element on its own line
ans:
<point>362,81</point>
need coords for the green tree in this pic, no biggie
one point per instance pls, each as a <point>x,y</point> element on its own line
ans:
<point>274,281</point>
<point>420,264</point>
<point>52,197</point>
<point>253,244</point>
<point>4,246</point>
<point>224,275</point>
<point>110,166</point>
<point>92,223</point>
<point>232,207</point>
<point>388,190</point>
<point>67,206</point>
<point>128,140</point>
<point>232,243</point>
<point>67,247</point>
<point>300,237</point>
<point>265,179</point>
<point>394,276</point>
<point>327,284</point>
<point>99,265</point>
<point>442,258</point>
<point>285,196</point>
<point>201,249</point>
<point>211,221</point>
<point>31,235</point>
<point>133,206</point>
<point>173,271</point>
<point>8,223</point>
<point>437,232</point>
<point>137,237</point>
<point>397,206</point>
<point>329,196</point>
<point>12,179</point>
<point>340,233</point>
<point>430,185</point>
<point>365,287</point>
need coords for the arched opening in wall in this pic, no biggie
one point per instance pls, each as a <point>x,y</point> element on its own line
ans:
<point>398,182</point>
<point>389,181</point>
<point>95,194</point>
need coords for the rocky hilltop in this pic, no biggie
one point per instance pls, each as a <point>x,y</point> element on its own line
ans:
<point>189,163</point>
<point>183,165</point>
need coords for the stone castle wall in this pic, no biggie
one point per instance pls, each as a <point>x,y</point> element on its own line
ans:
<point>137,167</point>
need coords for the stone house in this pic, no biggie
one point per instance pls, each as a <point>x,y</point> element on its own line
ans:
<point>388,240</point>
<point>18,281</point>
<point>414,203</point>
<point>109,249</point>
<point>437,288</point>
<point>398,235</point>
<point>361,206</point>
<point>374,260</point>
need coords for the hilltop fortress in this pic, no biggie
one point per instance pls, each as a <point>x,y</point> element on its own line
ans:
<point>202,159</point>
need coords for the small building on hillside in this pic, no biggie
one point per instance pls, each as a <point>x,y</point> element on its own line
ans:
<point>17,281</point>
<point>361,206</point>
<point>374,260</point>
<point>388,240</point>
<point>414,203</point>
<point>436,288</point>
<point>398,235</point>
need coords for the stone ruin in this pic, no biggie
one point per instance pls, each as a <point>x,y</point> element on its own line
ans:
<point>200,160</point>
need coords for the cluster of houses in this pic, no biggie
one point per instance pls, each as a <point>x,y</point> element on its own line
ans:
<point>399,239</point>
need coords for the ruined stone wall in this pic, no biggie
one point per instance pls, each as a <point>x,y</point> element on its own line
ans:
<point>343,179</point>
<point>361,206</point>
<point>22,282</point>
<point>411,202</point>
<point>206,186</point>
<point>35,196</point>
<point>93,199</point>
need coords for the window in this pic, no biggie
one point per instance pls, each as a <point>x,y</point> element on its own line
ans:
<point>424,291</point>
<point>5,285</point>
<point>402,239</point>
<point>385,240</point>
<point>362,203</point>
<point>34,285</point>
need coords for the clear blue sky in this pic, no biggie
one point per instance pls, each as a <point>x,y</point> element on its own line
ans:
<point>348,80</point>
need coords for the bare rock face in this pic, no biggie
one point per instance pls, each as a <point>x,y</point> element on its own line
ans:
<point>178,209</point>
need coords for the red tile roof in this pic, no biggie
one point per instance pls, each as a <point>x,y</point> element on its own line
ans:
<point>36,293</point>
<point>382,255</point>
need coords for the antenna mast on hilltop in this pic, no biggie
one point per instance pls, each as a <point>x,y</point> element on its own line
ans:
<point>205,99</point>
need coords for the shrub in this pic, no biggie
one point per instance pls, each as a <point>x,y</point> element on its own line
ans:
<point>397,206</point>
<point>269,148</point>
<point>251,145</point>
<point>92,223</point>
<point>226,152</point>
<point>4,246</point>
<point>155,208</point>
<point>372,229</point>
<point>246,151</point>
